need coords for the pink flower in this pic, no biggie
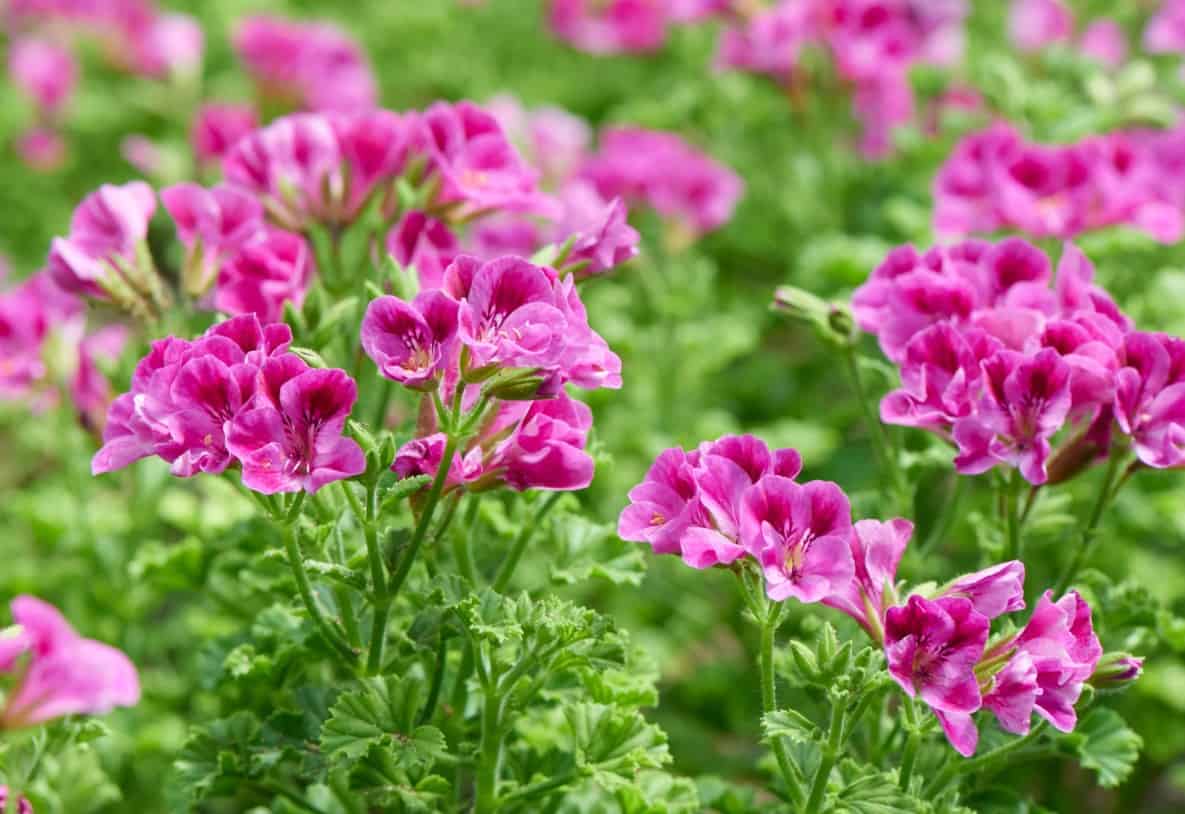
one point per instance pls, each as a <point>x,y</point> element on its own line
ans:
<point>510,316</point>
<point>932,647</point>
<point>411,342</point>
<point>172,45</point>
<point>64,674</point>
<point>664,504</point>
<point>41,148</point>
<point>609,26</point>
<point>142,153</point>
<point>23,807</point>
<point>90,392</point>
<point>294,441</point>
<point>882,105</point>
<point>1034,24</point>
<point>799,533</point>
<point>1024,403</point>
<point>769,42</point>
<point>265,274</point>
<point>375,146</point>
<point>315,63</point>
<point>213,225</point>
<point>993,591</point>
<point>422,242</point>
<point>547,448</point>
<point>1053,656</point>
<point>106,232</point>
<point>1150,398</point>
<point>1105,41</point>
<point>876,551</point>
<point>46,72</point>
<point>218,127</point>
<point>1165,32</point>
<point>662,171</point>
<point>29,314</point>
<point>601,237</point>
<point>553,140</point>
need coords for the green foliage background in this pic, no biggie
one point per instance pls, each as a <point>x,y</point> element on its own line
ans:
<point>168,570</point>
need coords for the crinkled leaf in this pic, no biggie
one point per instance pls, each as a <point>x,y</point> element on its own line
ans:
<point>867,790</point>
<point>1106,744</point>
<point>382,712</point>
<point>787,723</point>
<point>590,550</point>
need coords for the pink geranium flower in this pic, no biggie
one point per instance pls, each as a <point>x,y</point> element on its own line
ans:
<point>424,243</point>
<point>664,504</point>
<point>610,26</point>
<point>292,440</point>
<point>876,552</point>
<point>217,127</point>
<point>45,71</point>
<point>213,225</point>
<point>411,342</point>
<point>274,269</point>
<point>58,672</point>
<point>993,591</point>
<point>1034,24</point>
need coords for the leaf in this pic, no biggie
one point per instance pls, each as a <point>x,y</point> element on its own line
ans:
<point>787,723</point>
<point>174,567</point>
<point>217,758</point>
<point>590,550</point>
<point>403,489</point>
<point>610,736</point>
<point>382,713</point>
<point>867,790</point>
<point>1106,744</point>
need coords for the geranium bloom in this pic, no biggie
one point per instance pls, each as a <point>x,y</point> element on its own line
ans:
<point>315,63</point>
<point>23,807</point>
<point>799,533</point>
<point>424,243</point>
<point>1104,40</point>
<point>1034,24</point>
<point>29,314</point>
<point>46,72</point>
<point>664,504</point>
<point>107,231</point>
<point>171,44</point>
<point>553,140</point>
<point>218,127</point>
<point>58,672</point>
<point>292,438</point>
<point>876,551</point>
<point>932,647</point>
<point>662,171</point>
<point>411,342</point>
<point>601,237</point>
<point>1150,398</point>
<point>273,269</point>
<point>213,225</point>
<point>769,42</point>
<point>1165,32</point>
<point>41,148</point>
<point>608,26</point>
<point>993,591</point>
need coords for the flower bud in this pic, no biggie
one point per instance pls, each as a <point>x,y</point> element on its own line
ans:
<point>1116,670</point>
<point>832,322</point>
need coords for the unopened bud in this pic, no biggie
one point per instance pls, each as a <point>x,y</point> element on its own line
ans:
<point>521,384</point>
<point>833,322</point>
<point>1116,670</point>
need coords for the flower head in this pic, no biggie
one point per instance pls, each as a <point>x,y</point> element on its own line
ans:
<point>411,342</point>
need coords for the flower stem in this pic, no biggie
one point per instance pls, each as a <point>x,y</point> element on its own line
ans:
<point>437,682</point>
<point>506,571</point>
<point>489,753</point>
<point>305,589</point>
<point>769,700</point>
<point>946,517</point>
<point>912,740</point>
<point>830,755</point>
<point>1012,516</point>
<point>1086,540</point>
<point>882,444</point>
<point>982,764</point>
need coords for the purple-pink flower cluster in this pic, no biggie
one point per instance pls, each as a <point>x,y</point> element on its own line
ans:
<point>520,331</point>
<point>55,672</point>
<point>734,499</point>
<point>314,65</point>
<point>995,179</point>
<point>236,395</point>
<point>997,361</point>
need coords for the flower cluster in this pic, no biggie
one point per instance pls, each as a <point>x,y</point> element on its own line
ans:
<point>1036,24</point>
<point>873,44</point>
<point>1165,33</point>
<point>735,499</point>
<point>217,127</point>
<point>314,65</point>
<point>995,179</point>
<point>55,672</point>
<point>506,330</point>
<point>236,395</point>
<point>995,361</point>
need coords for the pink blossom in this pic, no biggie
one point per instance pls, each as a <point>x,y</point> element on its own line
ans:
<point>217,128</point>
<point>213,225</point>
<point>882,105</point>
<point>29,314</point>
<point>142,153</point>
<point>41,148</point>
<point>1034,24</point>
<point>23,807</point>
<point>316,64</point>
<point>770,42</point>
<point>265,274</point>
<point>411,342</point>
<point>106,231</point>
<point>90,392</point>
<point>662,171</point>
<point>45,71</point>
<point>510,316</point>
<point>876,551</point>
<point>932,647</point>
<point>609,26</point>
<point>294,441</point>
<point>553,140</point>
<point>1104,41</point>
<point>64,674</point>
<point>1165,32</point>
<point>422,242</point>
<point>601,237</point>
<point>374,146</point>
<point>172,45</point>
<point>547,448</point>
<point>1150,398</point>
<point>993,591</point>
<point>799,533</point>
<point>664,505</point>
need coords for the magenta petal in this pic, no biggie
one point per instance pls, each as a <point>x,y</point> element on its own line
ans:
<point>960,730</point>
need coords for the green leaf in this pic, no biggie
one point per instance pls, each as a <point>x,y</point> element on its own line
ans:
<point>867,790</point>
<point>590,550</point>
<point>217,758</point>
<point>787,723</point>
<point>382,713</point>
<point>403,489</point>
<point>1106,744</point>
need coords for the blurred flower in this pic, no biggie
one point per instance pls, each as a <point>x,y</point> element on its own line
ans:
<point>58,672</point>
<point>172,45</point>
<point>1034,24</point>
<point>609,26</point>
<point>264,274</point>
<point>23,807</point>
<point>142,154</point>
<point>1165,32</point>
<point>213,225</point>
<point>1105,41</point>
<point>422,242</point>
<point>45,71</point>
<point>217,127</point>
<point>41,148</point>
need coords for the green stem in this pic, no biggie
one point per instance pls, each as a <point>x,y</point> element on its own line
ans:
<point>463,541</point>
<point>437,682</point>
<point>349,621</point>
<point>830,755</point>
<point>882,444</point>
<point>374,554</point>
<point>305,589</point>
<point>982,764</point>
<point>1012,516</point>
<point>1086,540</point>
<point>510,564</point>
<point>382,607</point>
<point>489,754</point>
<point>912,740</point>
<point>769,701</point>
<point>946,517</point>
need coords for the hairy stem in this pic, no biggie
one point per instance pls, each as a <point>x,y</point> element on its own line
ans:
<point>769,700</point>
<point>305,589</point>
<point>830,755</point>
<point>1086,539</point>
<point>510,564</point>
